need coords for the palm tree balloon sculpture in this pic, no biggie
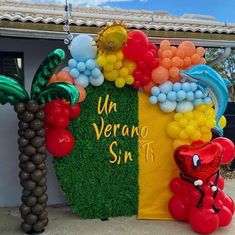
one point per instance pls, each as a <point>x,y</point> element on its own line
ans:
<point>33,174</point>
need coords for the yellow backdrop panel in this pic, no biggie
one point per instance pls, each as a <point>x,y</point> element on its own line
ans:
<point>156,163</point>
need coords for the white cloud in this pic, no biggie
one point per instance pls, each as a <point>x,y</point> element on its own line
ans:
<point>81,2</point>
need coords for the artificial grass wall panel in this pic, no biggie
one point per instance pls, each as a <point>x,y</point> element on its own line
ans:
<point>94,187</point>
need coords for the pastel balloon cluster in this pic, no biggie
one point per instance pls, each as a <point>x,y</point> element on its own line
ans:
<point>192,126</point>
<point>83,67</point>
<point>173,59</point>
<point>116,68</point>
<point>179,97</point>
<point>204,219</point>
<point>144,53</point>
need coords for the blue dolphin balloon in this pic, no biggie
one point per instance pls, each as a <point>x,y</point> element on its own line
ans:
<point>209,79</point>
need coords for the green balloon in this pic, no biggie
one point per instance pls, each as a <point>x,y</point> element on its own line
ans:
<point>59,90</point>
<point>45,71</point>
<point>11,91</point>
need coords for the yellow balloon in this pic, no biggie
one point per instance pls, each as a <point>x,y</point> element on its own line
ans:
<point>196,135</point>
<point>211,123</point>
<point>189,115</point>
<point>123,72</point>
<point>183,135</point>
<point>120,82</point>
<point>112,75</point>
<point>190,130</point>
<point>223,122</point>
<point>111,59</point>
<point>101,61</point>
<point>193,123</point>
<point>183,122</point>
<point>119,56</point>
<point>108,67</point>
<point>117,65</point>
<point>206,137</point>
<point>201,120</point>
<point>131,66</point>
<point>173,130</point>
<point>129,80</point>
<point>178,116</point>
<point>205,129</point>
<point>202,107</point>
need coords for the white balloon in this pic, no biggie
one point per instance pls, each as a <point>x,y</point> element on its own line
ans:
<point>184,106</point>
<point>168,106</point>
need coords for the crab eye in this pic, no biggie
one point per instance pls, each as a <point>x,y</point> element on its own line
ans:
<point>196,160</point>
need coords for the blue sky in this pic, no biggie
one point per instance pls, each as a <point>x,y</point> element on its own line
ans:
<point>222,10</point>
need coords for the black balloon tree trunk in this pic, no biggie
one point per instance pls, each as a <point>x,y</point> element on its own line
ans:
<point>30,112</point>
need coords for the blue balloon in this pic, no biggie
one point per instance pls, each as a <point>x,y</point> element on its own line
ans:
<point>95,72</point>
<point>198,102</point>
<point>87,72</point>
<point>186,86</point>
<point>153,99</point>
<point>81,66</point>
<point>168,106</point>
<point>72,63</point>
<point>177,86</point>
<point>190,96</point>
<point>198,94</point>
<point>166,87</point>
<point>205,94</point>
<point>74,73</point>
<point>161,97</point>
<point>83,47</point>
<point>181,95</point>
<point>97,81</point>
<point>207,100</point>
<point>193,86</point>
<point>184,106</point>
<point>82,80</point>
<point>90,64</point>
<point>155,91</point>
<point>171,96</point>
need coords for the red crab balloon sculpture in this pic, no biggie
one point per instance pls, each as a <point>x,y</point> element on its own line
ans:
<point>198,193</point>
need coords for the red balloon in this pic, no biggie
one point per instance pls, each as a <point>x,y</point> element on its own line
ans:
<point>203,220</point>
<point>145,80</point>
<point>178,207</point>
<point>74,111</point>
<point>49,119</point>
<point>59,142</point>
<point>225,217</point>
<point>179,186</point>
<point>65,111</point>
<point>61,122</point>
<point>228,149</point>
<point>138,74</point>
<point>154,63</point>
<point>229,203</point>
<point>141,65</point>
<point>136,45</point>
<point>148,57</point>
<point>208,202</point>
<point>136,84</point>
<point>199,162</point>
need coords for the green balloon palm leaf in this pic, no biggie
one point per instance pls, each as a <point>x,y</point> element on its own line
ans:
<point>11,91</point>
<point>59,90</point>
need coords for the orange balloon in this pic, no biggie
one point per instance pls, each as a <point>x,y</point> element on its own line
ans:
<point>166,63</point>
<point>147,88</point>
<point>176,62</point>
<point>53,79</point>
<point>188,48</point>
<point>166,54</point>
<point>173,50</point>
<point>174,72</point>
<point>200,51</point>
<point>64,76</point>
<point>82,93</point>
<point>165,45</point>
<point>180,53</point>
<point>202,60</point>
<point>160,75</point>
<point>177,79</point>
<point>187,61</point>
<point>195,58</point>
<point>159,52</point>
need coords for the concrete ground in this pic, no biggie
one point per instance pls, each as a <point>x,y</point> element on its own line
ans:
<point>64,222</point>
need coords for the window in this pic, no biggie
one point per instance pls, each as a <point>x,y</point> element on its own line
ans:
<point>12,65</point>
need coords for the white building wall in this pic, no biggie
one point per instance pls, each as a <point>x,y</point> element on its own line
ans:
<point>10,189</point>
